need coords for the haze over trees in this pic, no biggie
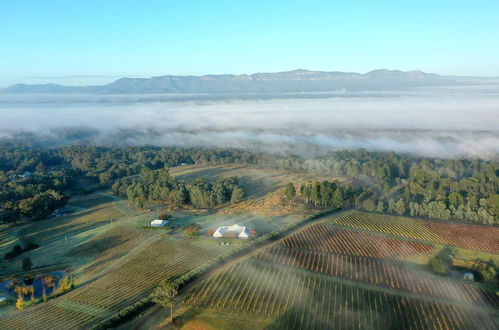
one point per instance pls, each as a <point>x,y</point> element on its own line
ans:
<point>460,189</point>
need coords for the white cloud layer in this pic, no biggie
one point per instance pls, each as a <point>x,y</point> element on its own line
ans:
<point>439,122</point>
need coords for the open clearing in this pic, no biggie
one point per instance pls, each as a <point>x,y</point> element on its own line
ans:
<point>263,188</point>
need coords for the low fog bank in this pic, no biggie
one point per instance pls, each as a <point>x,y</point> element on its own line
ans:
<point>444,122</point>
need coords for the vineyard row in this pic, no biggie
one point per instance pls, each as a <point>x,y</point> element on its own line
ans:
<point>308,301</point>
<point>381,272</point>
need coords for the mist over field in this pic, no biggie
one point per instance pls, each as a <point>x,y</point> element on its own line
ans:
<point>441,121</point>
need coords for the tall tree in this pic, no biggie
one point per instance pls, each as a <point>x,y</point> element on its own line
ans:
<point>380,207</point>
<point>165,294</point>
<point>400,207</point>
<point>290,191</point>
<point>338,201</point>
<point>237,195</point>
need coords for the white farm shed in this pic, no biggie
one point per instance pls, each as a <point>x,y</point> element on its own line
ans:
<point>159,223</point>
<point>232,231</point>
<point>469,277</point>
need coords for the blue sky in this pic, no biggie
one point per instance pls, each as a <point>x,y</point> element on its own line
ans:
<point>80,42</point>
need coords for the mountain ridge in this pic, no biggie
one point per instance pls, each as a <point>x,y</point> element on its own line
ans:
<point>299,80</point>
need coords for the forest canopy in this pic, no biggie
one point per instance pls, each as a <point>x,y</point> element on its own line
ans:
<point>460,189</point>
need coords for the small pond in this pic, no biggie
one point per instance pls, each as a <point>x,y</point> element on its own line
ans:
<point>9,285</point>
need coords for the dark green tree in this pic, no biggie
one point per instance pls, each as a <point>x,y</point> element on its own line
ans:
<point>437,265</point>
<point>237,195</point>
<point>380,207</point>
<point>290,191</point>
<point>338,202</point>
<point>165,294</point>
<point>27,264</point>
<point>400,207</point>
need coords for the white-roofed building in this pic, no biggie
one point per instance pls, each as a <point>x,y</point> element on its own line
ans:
<point>232,231</point>
<point>159,223</point>
<point>469,277</point>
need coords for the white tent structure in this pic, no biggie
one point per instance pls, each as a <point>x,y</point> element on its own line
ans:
<point>159,223</point>
<point>232,231</point>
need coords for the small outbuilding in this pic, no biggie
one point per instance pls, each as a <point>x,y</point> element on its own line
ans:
<point>469,277</point>
<point>159,223</point>
<point>232,231</point>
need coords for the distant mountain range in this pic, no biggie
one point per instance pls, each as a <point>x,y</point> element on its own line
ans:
<point>282,82</point>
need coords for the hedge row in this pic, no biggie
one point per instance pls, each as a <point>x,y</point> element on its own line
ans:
<point>125,314</point>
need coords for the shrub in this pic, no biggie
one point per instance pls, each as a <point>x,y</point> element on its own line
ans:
<point>191,230</point>
<point>20,303</point>
<point>437,266</point>
<point>27,264</point>
<point>30,246</point>
<point>164,216</point>
<point>16,251</point>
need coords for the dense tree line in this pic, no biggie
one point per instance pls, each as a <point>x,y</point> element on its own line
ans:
<point>159,185</point>
<point>462,189</point>
<point>325,193</point>
<point>28,187</point>
<point>33,180</point>
<point>108,164</point>
<point>450,189</point>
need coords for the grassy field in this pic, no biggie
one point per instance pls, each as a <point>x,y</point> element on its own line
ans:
<point>263,188</point>
<point>256,182</point>
<point>214,320</point>
<point>58,234</point>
